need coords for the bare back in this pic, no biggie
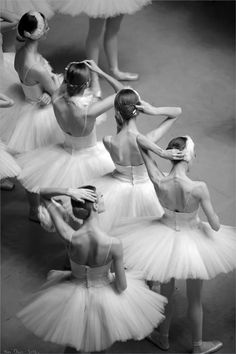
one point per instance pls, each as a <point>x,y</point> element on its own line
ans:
<point>178,194</point>
<point>90,247</point>
<point>123,149</point>
<point>71,116</point>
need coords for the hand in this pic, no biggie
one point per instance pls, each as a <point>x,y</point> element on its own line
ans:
<point>173,154</point>
<point>93,66</point>
<point>146,107</point>
<point>81,194</point>
<point>45,99</point>
<point>57,79</point>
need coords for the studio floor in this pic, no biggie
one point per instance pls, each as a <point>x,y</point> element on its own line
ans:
<point>185,55</point>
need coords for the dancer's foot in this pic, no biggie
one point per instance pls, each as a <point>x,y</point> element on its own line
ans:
<point>161,341</point>
<point>207,347</point>
<point>7,185</point>
<point>124,76</point>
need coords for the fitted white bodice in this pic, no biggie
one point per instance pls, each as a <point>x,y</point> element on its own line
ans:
<point>73,143</point>
<point>91,276</point>
<point>178,220</point>
<point>131,174</point>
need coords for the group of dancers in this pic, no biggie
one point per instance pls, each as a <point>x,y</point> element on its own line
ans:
<point>125,223</point>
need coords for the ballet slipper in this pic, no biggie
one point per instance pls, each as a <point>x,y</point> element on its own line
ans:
<point>7,185</point>
<point>208,347</point>
<point>124,76</point>
<point>161,342</point>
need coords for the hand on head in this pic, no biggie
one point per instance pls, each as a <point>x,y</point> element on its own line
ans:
<point>82,194</point>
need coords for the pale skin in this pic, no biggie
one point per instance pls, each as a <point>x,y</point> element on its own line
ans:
<point>69,115</point>
<point>199,197</point>
<point>112,27</point>
<point>123,147</point>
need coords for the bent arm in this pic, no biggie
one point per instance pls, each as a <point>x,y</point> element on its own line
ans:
<point>118,267</point>
<point>155,135</point>
<point>64,230</point>
<point>48,193</point>
<point>205,202</point>
<point>47,83</point>
<point>97,108</point>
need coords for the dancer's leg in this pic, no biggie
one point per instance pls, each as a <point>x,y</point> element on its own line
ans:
<point>161,338</point>
<point>111,48</point>
<point>195,314</point>
<point>92,45</point>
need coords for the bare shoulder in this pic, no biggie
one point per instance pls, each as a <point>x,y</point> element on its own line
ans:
<point>200,189</point>
<point>107,140</point>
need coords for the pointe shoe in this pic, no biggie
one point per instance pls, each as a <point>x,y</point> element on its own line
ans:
<point>162,342</point>
<point>7,185</point>
<point>124,76</point>
<point>208,347</point>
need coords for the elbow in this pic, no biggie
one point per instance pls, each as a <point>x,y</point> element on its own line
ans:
<point>178,112</point>
<point>121,287</point>
<point>216,224</point>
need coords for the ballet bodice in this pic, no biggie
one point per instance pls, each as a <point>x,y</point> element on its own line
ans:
<point>177,220</point>
<point>131,174</point>
<point>92,276</point>
<point>34,92</point>
<point>73,143</point>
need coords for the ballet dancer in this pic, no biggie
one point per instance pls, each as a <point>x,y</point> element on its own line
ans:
<point>179,245</point>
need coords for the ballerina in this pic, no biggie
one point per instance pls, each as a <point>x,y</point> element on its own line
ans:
<point>89,308</point>
<point>31,122</point>
<point>81,158</point>
<point>128,191</point>
<point>179,245</point>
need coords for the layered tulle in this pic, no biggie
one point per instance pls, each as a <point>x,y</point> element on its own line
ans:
<point>61,166</point>
<point>8,165</point>
<point>98,8</point>
<point>177,246</point>
<point>91,318</point>
<point>127,192</point>
<point>20,7</point>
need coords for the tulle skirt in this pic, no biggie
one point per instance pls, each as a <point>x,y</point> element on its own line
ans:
<point>8,165</point>
<point>27,126</point>
<point>59,166</point>
<point>20,7</point>
<point>194,252</point>
<point>67,312</point>
<point>122,198</point>
<point>98,8</point>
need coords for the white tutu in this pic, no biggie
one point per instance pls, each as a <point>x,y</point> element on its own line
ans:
<point>98,8</point>
<point>127,192</point>
<point>8,165</point>
<point>20,7</point>
<point>85,311</point>
<point>178,245</point>
<point>70,165</point>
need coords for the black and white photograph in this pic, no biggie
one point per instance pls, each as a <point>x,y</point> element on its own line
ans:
<point>118,176</point>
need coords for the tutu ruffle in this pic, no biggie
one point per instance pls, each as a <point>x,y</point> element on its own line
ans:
<point>68,312</point>
<point>99,8</point>
<point>20,7</point>
<point>186,248</point>
<point>127,196</point>
<point>27,126</point>
<point>60,166</point>
<point>8,165</point>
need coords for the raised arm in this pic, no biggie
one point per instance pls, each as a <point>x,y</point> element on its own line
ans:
<point>10,21</point>
<point>75,193</point>
<point>118,266</point>
<point>203,194</point>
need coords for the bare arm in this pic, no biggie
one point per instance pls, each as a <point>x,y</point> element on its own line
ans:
<point>151,110</point>
<point>118,266</point>
<point>205,202</point>
<point>47,83</point>
<point>5,101</point>
<point>64,230</point>
<point>97,108</point>
<point>76,193</point>
<point>10,21</point>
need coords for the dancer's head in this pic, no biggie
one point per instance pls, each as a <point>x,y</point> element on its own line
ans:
<point>32,25</point>
<point>185,144</point>
<point>83,210</point>
<point>125,106</point>
<point>77,77</point>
